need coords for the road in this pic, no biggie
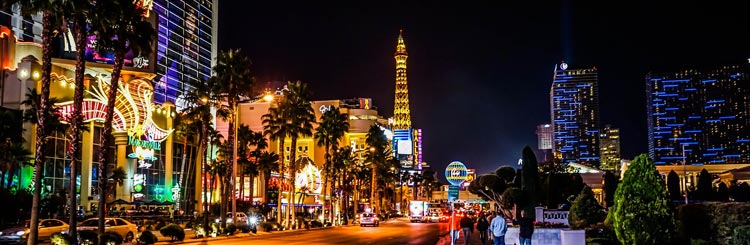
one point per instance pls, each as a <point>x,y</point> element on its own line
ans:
<point>398,231</point>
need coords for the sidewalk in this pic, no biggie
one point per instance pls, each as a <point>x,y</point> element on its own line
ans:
<point>445,239</point>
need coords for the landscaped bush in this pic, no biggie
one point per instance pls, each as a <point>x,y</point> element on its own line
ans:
<point>601,241</point>
<point>88,235</point>
<point>230,229</point>
<point>585,210</point>
<point>741,235</point>
<point>174,231</point>
<point>316,223</point>
<point>641,213</point>
<point>711,221</point>
<point>269,226</point>
<point>62,239</point>
<point>601,232</point>
<point>110,237</point>
<point>199,230</point>
<point>147,238</point>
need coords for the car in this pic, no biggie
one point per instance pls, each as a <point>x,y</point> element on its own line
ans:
<point>120,226</point>
<point>244,222</point>
<point>434,218</point>
<point>369,219</point>
<point>47,227</point>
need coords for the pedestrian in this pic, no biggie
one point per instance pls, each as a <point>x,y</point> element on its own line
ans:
<point>526,230</point>
<point>482,225</point>
<point>498,226</point>
<point>467,225</point>
<point>456,228</point>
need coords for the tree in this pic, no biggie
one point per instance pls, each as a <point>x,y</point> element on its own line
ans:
<point>610,186</point>
<point>722,193</point>
<point>300,116</point>
<point>333,125</point>
<point>50,20</point>
<point>704,189</point>
<point>234,80</point>
<point>199,102</point>
<point>12,157</point>
<point>673,186</point>
<point>585,210</point>
<point>491,187</point>
<point>120,28</point>
<point>267,162</point>
<point>530,180</point>
<point>344,161</point>
<point>641,212</point>
<point>741,192</point>
<point>277,129</point>
<point>77,11</point>
<point>378,143</point>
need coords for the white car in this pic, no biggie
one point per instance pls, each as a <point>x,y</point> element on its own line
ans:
<point>47,227</point>
<point>120,226</point>
<point>369,219</point>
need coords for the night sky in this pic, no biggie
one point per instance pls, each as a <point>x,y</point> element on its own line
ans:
<point>479,74</point>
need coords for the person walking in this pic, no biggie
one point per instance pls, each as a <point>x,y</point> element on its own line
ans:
<point>467,225</point>
<point>482,225</point>
<point>498,226</point>
<point>456,228</point>
<point>526,230</point>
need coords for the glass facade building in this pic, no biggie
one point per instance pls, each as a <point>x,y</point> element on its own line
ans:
<point>186,46</point>
<point>609,147</point>
<point>574,106</point>
<point>703,111</point>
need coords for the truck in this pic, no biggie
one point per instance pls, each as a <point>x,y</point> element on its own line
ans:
<point>418,211</point>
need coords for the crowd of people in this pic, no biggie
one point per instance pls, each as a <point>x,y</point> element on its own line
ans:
<point>492,227</point>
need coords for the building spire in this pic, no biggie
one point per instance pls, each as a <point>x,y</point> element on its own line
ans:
<point>401,111</point>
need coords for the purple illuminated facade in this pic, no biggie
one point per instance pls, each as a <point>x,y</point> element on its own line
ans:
<point>186,46</point>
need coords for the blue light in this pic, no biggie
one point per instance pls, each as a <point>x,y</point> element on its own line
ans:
<point>709,154</point>
<point>676,81</point>
<point>732,155</point>
<point>716,161</point>
<point>691,89</point>
<point>728,117</point>
<point>715,149</point>
<point>682,99</point>
<point>670,86</point>
<point>693,131</point>
<point>671,108</point>
<point>675,124</point>
<point>743,140</point>
<point>694,117</point>
<point>668,95</point>
<point>709,81</point>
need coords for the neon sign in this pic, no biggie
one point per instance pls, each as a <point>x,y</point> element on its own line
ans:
<point>154,145</point>
<point>309,178</point>
<point>138,181</point>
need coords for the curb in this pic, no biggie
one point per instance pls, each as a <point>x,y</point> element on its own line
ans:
<point>243,235</point>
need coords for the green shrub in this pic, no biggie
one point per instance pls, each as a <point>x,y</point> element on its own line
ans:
<point>174,231</point>
<point>694,221</point>
<point>712,221</point>
<point>585,210</point>
<point>88,236</point>
<point>199,230</point>
<point>741,235</point>
<point>268,226</point>
<point>110,237</point>
<point>147,238</point>
<point>601,241</point>
<point>62,239</point>
<point>641,213</point>
<point>316,223</point>
<point>699,242</point>
<point>230,229</point>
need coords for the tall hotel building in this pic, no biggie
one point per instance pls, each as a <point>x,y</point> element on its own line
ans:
<point>703,112</point>
<point>187,46</point>
<point>609,147</point>
<point>545,137</point>
<point>574,104</point>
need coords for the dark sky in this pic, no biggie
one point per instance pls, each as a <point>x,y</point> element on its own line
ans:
<point>479,73</point>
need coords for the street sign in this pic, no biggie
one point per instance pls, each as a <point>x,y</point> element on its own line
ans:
<point>452,193</point>
<point>456,173</point>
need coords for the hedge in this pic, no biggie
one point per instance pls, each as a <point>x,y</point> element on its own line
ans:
<point>712,221</point>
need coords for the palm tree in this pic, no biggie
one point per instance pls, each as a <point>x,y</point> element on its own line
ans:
<point>200,101</point>
<point>299,118</point>
<point>185,127</point>
<point>77,11</point>
<point>343,161</point>
<point>277,129</point>
<point>257,140</point>
<point>244,135</point>
<point>50,21</point>
<point>234,81</point>
<point>12,157</point>
<point>333,125</point>
<point>376,156</point>
<point>267,162</point>
<point>120,28</point>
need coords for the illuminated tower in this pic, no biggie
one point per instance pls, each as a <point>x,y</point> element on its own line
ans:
<point>401,112</point>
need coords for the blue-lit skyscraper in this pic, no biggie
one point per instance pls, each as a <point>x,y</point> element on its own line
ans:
<point>574,104</point>
<point>187,41</point>
<point>706,111</point>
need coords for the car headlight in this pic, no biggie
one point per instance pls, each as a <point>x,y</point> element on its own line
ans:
<point>229,220</point>
<point>217,221</point>
<point>253,220</point>
<point>20,233</point>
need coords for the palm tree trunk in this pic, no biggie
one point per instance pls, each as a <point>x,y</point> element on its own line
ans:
<point>293,173</point>
<point>374,188</point>
<point>241,183</point>
<point>41,130</point>
<point>251,188</point>
<point>106,136</point>
<point>281,184</point>
<point>204,173</point>
<point>76,120</point>
<point>326,170</point>
<point>231,206</point>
